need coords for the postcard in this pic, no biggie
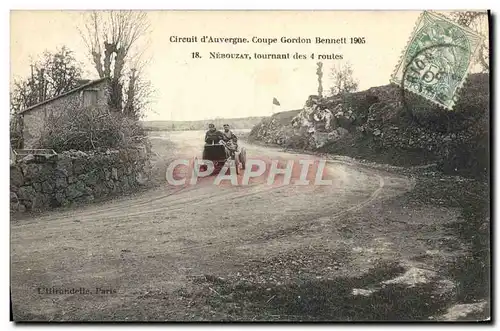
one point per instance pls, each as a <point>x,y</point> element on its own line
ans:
<point>250,166</point>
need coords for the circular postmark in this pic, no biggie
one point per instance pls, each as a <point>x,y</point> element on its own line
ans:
<point>426,78</point>
<point>434,66</point>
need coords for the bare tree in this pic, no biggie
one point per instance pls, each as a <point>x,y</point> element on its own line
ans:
<point>343,80</point>
<point>138,94</point>
<point>113,38</point>
<point>477,21</point>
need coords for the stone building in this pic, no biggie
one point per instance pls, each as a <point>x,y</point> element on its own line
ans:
<point>91,93</point>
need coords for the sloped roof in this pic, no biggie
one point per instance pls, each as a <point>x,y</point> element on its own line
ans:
<point>76,89</point>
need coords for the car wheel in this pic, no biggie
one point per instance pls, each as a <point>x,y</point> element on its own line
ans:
<point>237,165</point>
<point>243,158</point>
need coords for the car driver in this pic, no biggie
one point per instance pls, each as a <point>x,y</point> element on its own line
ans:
<point>213,136</point>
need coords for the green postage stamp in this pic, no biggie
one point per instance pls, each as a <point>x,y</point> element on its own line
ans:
<point>437,59</point>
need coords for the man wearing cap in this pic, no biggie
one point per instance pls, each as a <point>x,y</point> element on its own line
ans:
<point>213,136</point>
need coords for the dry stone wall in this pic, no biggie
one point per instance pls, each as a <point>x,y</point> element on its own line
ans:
<point>76,177</point>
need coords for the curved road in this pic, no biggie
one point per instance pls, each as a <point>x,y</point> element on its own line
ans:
<point>156,240</point>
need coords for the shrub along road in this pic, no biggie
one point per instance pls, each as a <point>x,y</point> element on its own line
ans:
<point>373,245</point>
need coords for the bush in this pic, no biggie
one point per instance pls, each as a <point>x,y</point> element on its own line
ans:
<point>254,133</point>
<point>90,129</point>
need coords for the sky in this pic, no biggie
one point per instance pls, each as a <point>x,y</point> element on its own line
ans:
<point>197,89</point>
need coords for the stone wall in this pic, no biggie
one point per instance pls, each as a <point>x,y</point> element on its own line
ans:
<point>76,177</point>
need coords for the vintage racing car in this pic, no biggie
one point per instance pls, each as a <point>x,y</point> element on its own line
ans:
<point>221,154</point>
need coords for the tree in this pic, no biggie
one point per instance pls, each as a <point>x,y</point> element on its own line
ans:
<point>138,95</point>
<point>477,21</point>
<point>51,75</point>
<point>114,41</point>
<point>343,80</point>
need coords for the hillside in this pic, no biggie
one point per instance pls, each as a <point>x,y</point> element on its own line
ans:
<point>235,123</point>
<point>384,125</point>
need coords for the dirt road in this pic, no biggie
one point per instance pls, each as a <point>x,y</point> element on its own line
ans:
<point>256,252</point>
